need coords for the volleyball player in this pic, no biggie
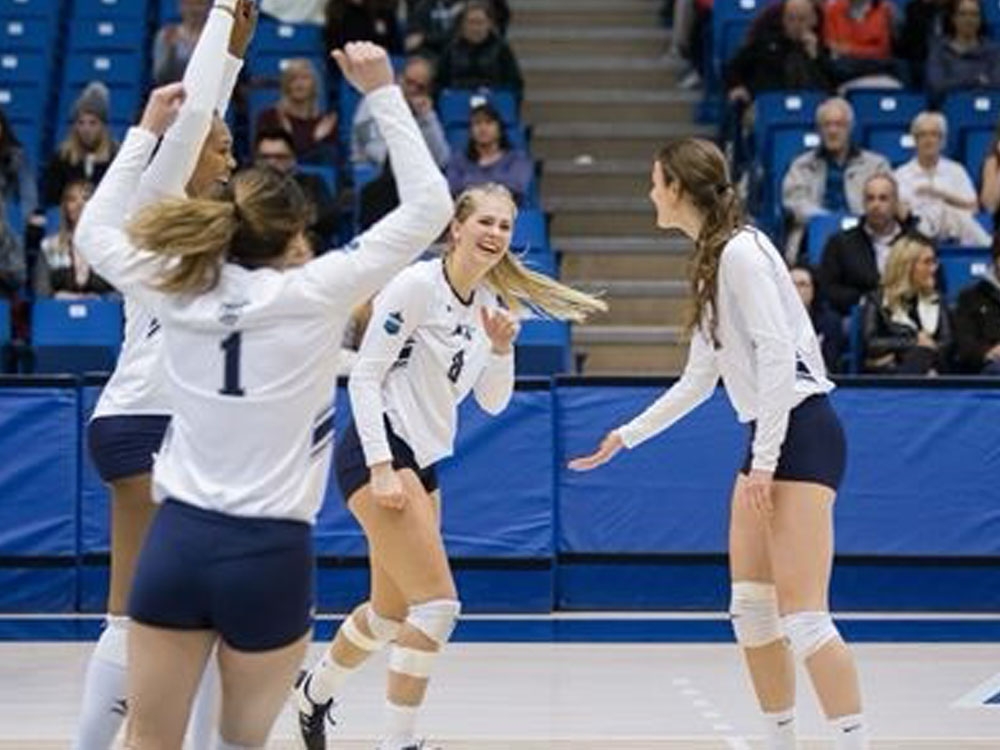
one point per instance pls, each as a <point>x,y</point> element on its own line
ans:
<point>440,330</point>
<point>133,411</point>
<point>750,328</point>
<point>250,350</point>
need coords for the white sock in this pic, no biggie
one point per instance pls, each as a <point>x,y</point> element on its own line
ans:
<point>400,726</point>
<point>221,744</point>
<point>851,732</point>
<point>328,678</point>
<point>780,730</point>
<point>104,689</point>
<point>204,720</point>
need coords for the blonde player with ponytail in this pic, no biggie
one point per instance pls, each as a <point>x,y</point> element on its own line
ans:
<point>442,329</point>
<point>749,327</point>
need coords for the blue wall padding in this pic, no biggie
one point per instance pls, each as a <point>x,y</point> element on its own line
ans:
<point>94,511</point>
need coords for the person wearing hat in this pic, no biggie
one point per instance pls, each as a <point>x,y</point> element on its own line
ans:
<point>489,157</point>
<point>87,150</point>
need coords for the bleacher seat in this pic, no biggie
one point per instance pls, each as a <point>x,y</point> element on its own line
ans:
<point>125,10</point>
<point>22,101</point>
<point>783,110</point>
<point>291,40</point>
<point>531,230</point>
<point>878,109</point>
<point>541,260</point>
<point>543,347</point>
<point>168,11</point>
<point>113,68</point>
<point>29,133</point>
<point>730,21</point>
<point>455,105</point>
<point>30,8</point>
<point>991,16</point>
<point>5,334</point>
<point>106,35</point>
<point>969,110</point>
<point>895,145</point>
<point>76,335</point>
<point>24,68</point>
<point>960,265</point>
<point>27,34</point>
<point>976,147</point>
<point>785,146</point>
<point>821,228</point>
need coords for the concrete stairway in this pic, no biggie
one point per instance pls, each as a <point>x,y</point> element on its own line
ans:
<point>601,99</point>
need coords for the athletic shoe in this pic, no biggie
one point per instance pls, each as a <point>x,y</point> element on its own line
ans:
<point>313,717</point>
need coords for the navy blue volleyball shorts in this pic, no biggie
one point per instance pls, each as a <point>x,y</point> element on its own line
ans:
<point>352,469</point>
<point>123,446</point>
<point>249,579</point>
<point>814,450</point>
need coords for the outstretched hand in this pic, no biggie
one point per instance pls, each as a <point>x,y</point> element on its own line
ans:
<point>501,328</point>
<point>162,108</point>
<point>607,450</point>
<point>365,65</point>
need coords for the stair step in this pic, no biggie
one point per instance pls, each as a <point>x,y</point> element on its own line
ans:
<point>569,177</point>
<point>618,335</point>
<point>611,214</point>
<point>604,140</point>
<point>594,43</point>
<point>617,106</point>
<point>640,302</point>
<point>547,73</point>
<point>580,268</point>
<point>609,15</point>
<point>672,243</point>
<point>632,359</point>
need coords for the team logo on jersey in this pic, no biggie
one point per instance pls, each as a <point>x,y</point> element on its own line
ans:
<point>154,328</point>
<point>463,331</point>
<point>229,312</point>
<point>394,323</point>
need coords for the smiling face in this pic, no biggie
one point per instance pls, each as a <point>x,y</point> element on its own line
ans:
<point>216,163</point>
<point>482,238</point>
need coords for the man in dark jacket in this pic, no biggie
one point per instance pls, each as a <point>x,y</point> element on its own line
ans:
<point>853,259</point>
<point>977,321</point>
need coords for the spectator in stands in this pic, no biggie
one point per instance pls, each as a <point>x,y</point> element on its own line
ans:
<point>478,56</point>
<point>989,193</point>
<point>364,21</point>
<point>416,81</point>
<point>826,323</point>
<point>175,42</point>
<point>963,58</point>
<point>858,34</point>
<point>298,113</point>
<point>977,321</point>
<point>88,149</point>
<point>17,179</point>
<point>789,56</point>
<point>937,190</point>
<point>690,20</point>
<point>907,328</point>
<point>855,258</point>
<point>431,24</point>
<point>60,271</point>
<point>923,22</point>
<point>489,157</point>
<point>829,178</point>
<point>274,148</point>
<point>12,259</point>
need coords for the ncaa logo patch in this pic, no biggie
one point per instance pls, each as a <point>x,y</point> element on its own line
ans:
<point>394,323</point>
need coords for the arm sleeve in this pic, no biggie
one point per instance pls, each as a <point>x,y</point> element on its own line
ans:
<point>749,273</point>
<point>695,385</point>
<point>397,311</point>
<point>343,279</point>
<point>495,383</point>
<point>100,236</point>
<point>208,82</point>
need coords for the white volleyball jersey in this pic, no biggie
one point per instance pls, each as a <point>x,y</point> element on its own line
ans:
<point>251,365</point>
<point>136,386</point>
<point>424,351</point>
<point>769,357</point>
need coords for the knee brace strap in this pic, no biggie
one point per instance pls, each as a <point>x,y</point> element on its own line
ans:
<point>436,619</point>
<point>384,629</point>
<point>358,639</point>
<point>808,632</point>
<point>411,661</point>
<point>753,611</point>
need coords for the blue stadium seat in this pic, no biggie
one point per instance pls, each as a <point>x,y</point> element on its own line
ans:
<point>27,34</point>
<point>820,229</point>
<point>784,147</point>
<point>125,10</point>
<point>730,22</point>
<point>543,347</point>
<point>106,35</point>
<point>454,105</point>
<point>347,106</point>
<point>879,109</point>
<point>24,68</point>
<point>542,260</point>
<point>76,335</point>
<point>960,265</point>
<point>458,136</point>
<point>5,334</point>
<point>968,110</point>
<point>976,147</point>
<point>23,101</point>
<point>291,40</point>
<point>30,8</point>
<point>895,145</point>
<point>29,133</point>
<point>991,16</point>
<point>362,174</point>
<point>14,216</point>
<point>531,230</point>
<point>113,68</point>
<point>783,110</point>
<point>325,172</point>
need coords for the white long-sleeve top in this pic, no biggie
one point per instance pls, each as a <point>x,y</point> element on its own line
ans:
<point>251,365</point>
<point>136,386</point>
<point>423,352</point>
<point>769,358</point>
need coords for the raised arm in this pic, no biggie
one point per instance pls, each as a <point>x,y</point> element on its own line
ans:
<point>100,236</point>
<point>344,279</point>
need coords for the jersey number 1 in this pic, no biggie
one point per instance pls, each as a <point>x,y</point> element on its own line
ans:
<point>231,346</point>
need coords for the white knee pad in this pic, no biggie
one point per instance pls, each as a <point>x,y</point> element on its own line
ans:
<point>383,630</point>
<point>436,619</point>
<point>753,611</point>
<point>808,632</point>
<point>112,645</point>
